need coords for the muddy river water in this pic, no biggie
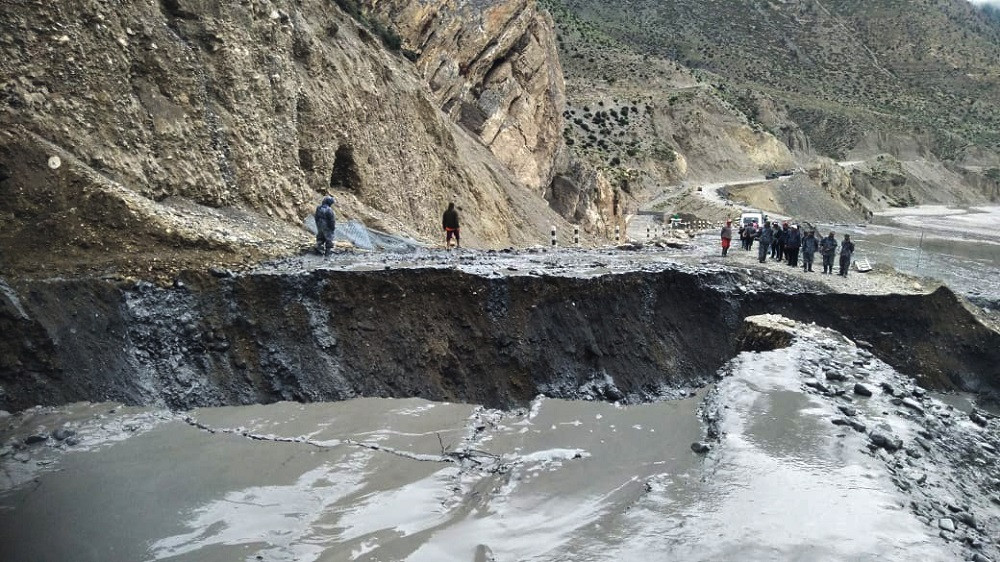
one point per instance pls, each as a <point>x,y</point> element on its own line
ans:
<point>957,246</point>
<point>381,479</point>
<point>960,247</point>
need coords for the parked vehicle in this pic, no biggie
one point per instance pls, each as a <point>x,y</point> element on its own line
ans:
<point>750,216</point>
<point>778,174</point>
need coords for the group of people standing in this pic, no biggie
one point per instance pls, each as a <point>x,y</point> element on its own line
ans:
<point>784,243</point>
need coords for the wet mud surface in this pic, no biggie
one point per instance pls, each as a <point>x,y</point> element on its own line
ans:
<point>800,465</point>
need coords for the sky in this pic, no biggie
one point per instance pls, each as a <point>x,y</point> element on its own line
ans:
<point>981,2</point>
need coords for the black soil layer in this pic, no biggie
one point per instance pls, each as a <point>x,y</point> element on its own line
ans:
<point>440,334</point>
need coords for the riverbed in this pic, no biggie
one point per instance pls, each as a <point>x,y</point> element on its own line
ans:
<point>409,479</point>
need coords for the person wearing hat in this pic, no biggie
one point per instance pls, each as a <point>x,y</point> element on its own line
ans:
<point>792,242</point>
<point>326,224</point>
<point>809,246</point>
<point>846,253</point>
<point>828,248</point>
<point>727,237</point>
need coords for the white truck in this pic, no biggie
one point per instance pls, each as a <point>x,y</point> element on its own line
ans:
<point>750,216</point>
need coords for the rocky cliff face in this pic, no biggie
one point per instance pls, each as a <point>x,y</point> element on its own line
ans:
<point>584,195</point>
<point>493,67</point>
<point>208,129</point>
<point>836,181</point>
<point>885,181</point>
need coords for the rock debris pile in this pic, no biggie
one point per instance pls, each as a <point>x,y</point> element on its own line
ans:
<point>944,460</point>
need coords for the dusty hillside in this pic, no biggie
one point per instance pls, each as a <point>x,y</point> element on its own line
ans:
<point>641,123</point>
<point>846,70</point>
<point>627,106</point>
<point>204,131</point>
<point>666,96</point>
<point>494,68</point>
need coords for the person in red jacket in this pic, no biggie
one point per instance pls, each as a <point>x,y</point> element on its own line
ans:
<point>727,237</point>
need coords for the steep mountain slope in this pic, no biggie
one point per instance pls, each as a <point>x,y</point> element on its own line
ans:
<point>187,132</point>
<point>858,76</point>
<point>663,97</point>
<point>638,126</point>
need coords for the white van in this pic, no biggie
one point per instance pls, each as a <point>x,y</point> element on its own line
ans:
<point>750,216</point>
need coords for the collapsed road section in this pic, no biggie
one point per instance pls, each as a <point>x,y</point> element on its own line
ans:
<point>735,472</point>
<point>444,334</point>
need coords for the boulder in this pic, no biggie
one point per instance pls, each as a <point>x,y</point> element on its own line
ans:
<point>700,447</point>
<point>883,438</point>
<point>862,390</point>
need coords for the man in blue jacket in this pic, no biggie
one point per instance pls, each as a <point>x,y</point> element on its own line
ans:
<point>809,246</point>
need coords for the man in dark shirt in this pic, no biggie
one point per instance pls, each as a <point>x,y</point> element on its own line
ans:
<point>766,237</point>
<point>792,242</point>
<point>450,224</point>
<point>776,242</point>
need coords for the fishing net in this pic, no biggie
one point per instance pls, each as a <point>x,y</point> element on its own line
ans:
<point>359,235</point>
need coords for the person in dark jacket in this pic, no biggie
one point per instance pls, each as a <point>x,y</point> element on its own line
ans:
<point>326,224</point>
<point>727,237</point>
<point>782,240</point>
<point>809,246</point>
<point>751,236</point>
<point>776,242</point>
<point>792,243</point>
<point>828,248</point>
<point>450,225</point>
<point>766,237</point>
<point>846,253</point>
